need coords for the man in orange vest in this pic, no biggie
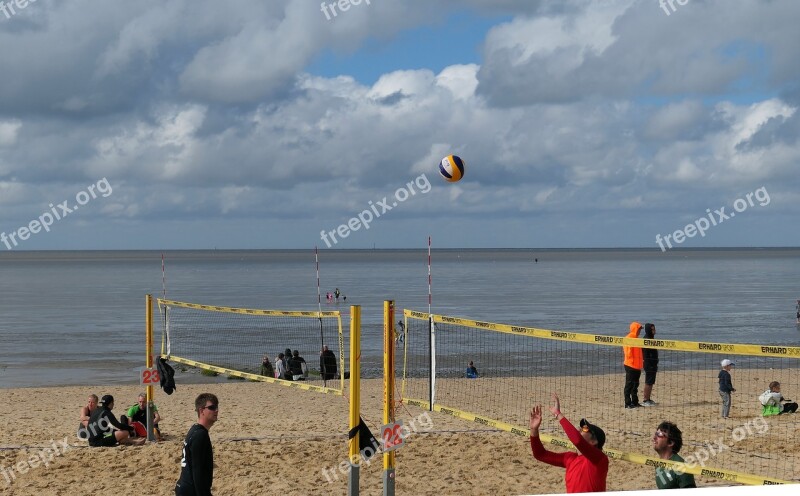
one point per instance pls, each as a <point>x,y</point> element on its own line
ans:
<point>634,362</point>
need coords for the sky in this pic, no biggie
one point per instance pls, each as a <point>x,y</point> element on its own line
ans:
<point>195,124</point>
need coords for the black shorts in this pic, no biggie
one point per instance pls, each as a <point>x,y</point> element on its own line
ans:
<point>105,441</point>
<point>650,377</point>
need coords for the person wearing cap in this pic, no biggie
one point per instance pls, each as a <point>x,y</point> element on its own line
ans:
<point>587,470</point>
<point>634,362</point>
<point>105,430</point>
<point>725,386</point>
<point>667,442</point>
<point>197,459</point>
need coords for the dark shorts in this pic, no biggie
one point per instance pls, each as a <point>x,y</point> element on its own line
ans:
<point>650,377</point>
<point>106,441</point>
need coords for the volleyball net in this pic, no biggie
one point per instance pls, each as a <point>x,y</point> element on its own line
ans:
<point>233,341</point>
<point>518,367</point>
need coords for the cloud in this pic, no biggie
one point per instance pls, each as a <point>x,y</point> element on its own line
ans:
<point>200,111</point>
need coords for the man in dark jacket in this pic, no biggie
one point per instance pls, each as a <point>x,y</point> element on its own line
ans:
<point>327,364</point>
<point>105,430</point>
<point>650,365</point>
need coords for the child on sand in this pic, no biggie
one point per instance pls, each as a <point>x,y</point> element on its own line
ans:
<point>725,387</point>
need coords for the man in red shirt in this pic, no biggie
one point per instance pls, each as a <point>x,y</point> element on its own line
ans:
<point>586,470</point>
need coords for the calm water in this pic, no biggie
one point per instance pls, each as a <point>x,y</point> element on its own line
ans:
<point>78,317</point>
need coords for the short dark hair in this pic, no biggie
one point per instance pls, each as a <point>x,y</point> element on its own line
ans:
<point>673,434</point>
<point>773,385</point>
<point>201,401</point>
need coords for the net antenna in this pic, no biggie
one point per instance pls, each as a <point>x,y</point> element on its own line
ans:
<point>163,310</point>
<point>431,335</point>
<point>323,361</point>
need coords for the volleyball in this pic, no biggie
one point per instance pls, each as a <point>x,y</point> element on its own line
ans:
<point>451,168</point>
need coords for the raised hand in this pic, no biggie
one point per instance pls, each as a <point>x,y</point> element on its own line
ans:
<point>536,419</point>
<point>556,408</point>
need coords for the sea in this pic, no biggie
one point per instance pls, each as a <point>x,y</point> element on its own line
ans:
<point>78,317</point>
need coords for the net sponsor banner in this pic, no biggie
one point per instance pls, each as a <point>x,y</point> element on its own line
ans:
<point>250,311</point>
<point>598,339</point>
<point>255,377</point>
<point>709,472</point>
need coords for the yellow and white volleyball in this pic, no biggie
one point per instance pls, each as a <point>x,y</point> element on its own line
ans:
<point>451,168</point>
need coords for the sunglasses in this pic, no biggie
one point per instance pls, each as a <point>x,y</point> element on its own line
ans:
<point>213,408</point>
<point>660,434</point>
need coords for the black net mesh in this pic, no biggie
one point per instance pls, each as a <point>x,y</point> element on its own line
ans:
<point>516,371</point>
<point>238,339</point>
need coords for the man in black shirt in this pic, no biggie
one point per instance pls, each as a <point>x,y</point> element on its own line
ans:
<point>197,462</point>
<point>105,430</point>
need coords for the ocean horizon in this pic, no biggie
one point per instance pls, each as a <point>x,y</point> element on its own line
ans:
<point>73,317</point>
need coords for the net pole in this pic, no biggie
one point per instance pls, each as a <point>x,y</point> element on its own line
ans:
<point>149,363</point>
<point>321,335</point>
<point>355,398</point>
<point>431,337</point>
<point>388,392</point>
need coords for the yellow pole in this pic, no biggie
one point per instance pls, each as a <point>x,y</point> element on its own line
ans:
<point>149,361</point>
<point>388,392</point>
<point>355,397</point>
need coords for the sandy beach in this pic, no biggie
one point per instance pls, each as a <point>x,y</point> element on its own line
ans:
<point>275,439</point>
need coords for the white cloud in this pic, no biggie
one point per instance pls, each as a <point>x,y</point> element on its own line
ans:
<point>9,131</point>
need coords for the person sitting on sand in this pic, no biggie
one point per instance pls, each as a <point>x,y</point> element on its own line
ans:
<point>86,411</point>
<point>472,372</point>
<point>327,364</point>
<point>138,413</point>
<point>298,367</point>
<point>266,367</point>
<point>105,430</point>
<point>281,369</point>
<point>771,400</point>
<point>587,470</point>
